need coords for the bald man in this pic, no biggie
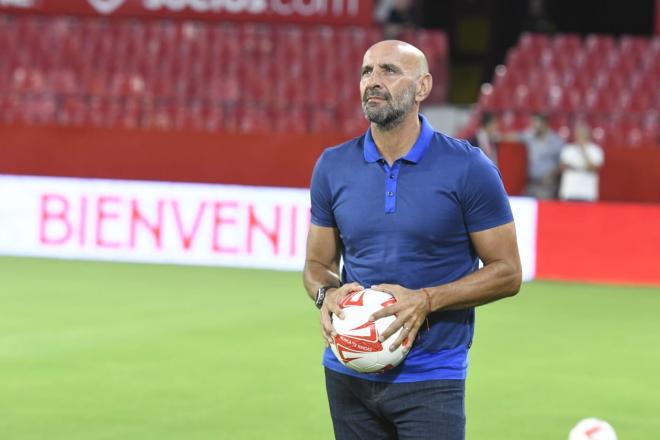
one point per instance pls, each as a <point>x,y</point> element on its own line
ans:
<point>409,211</point>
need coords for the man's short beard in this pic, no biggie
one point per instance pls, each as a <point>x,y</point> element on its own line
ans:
<point>393,113</point>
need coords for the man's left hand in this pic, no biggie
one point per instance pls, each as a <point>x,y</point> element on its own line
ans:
<point>411,309</point>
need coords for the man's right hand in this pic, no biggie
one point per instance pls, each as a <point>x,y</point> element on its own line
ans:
<point>331,305</point>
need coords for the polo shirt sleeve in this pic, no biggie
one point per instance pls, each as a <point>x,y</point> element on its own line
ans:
<point>484,200</point>
<point>321,196</point>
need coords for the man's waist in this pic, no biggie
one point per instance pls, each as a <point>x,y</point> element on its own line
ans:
<point>419,365</point>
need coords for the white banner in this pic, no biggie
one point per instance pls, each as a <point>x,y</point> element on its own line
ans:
<point>182,223</point>
<point>525,211</point>
<point>154,222</point>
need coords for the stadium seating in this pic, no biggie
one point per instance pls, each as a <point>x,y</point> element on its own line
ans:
<point>243,77</point>
<point>611,84</point>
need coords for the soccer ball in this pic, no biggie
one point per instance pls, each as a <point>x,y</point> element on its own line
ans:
<point>592,429</point>
<point>356,344</point>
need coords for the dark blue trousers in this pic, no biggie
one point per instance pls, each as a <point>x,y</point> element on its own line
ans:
<point>364,409</point>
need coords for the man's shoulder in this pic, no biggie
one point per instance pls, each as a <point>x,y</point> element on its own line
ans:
<point>460,149</point>
<point>343,150</point>
<point>556,139</point>
<point>463,145</point>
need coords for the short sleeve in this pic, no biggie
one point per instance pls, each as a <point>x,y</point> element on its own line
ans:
<point>525,137</point>
<point>597,156</point>
<point>321,196</point>
<point>484,200</point>
<point>568,156</point>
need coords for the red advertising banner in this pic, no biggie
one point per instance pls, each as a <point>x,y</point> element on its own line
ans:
<point>355,12</point>
<point>600,242</point>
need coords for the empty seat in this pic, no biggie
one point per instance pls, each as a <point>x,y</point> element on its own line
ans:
<point>135,73</point>
<point>597,80</point>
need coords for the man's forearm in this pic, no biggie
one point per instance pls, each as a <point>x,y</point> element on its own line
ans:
<point>494,281</point>
<point>317,275</point>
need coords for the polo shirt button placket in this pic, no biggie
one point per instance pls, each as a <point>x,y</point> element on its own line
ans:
<point>390,188</point>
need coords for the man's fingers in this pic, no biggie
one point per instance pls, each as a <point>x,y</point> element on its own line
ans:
<point>334,308</point>
<point>353,287</point>
<point>338,295</point>
<point>326,327</point>
<point>408,335</point>
<point>385,311</point>
<point>384,288</point>
<point>406,341</point>
<point>325,334</point>
<point>392,328</point>
<point>350,288</point>
<point>331,307</point>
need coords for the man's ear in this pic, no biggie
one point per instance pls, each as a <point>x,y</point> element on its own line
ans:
<point>424,86</point>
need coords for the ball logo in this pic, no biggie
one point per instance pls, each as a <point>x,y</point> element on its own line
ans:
<point>358,343</point>
<point>355,299</point>
<point>106,6</point>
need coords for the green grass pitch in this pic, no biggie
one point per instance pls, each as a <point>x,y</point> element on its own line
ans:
<point>118,351</point>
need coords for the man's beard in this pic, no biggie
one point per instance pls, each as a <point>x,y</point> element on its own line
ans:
<point>393,112</point>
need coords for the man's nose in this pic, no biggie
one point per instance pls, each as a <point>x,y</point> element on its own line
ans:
<point>375,86</point>
<point>374,79</point>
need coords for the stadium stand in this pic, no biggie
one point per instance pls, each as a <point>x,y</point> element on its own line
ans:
<point>160,74</point>
<point>611,84</point>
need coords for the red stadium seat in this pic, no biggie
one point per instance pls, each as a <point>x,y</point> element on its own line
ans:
<point>489,100</point>
<point>351,117</point>
<point>633,46</point>
<point>290,118</point>
<point>521,61</point>
<point>565,100</point>
<point>102,67</point>
<point>596,80</point>
<point>601,44</point>
<point>513,121</point>
<point>324,120</point>
<point>568,44</point>
<point>534,42</point>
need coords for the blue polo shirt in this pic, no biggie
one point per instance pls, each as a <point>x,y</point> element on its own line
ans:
<point>408,224</point>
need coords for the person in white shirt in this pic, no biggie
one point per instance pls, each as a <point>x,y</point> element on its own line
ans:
<point>580,162</point>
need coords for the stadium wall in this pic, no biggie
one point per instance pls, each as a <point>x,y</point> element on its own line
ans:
<point>628,174</point>
<point>246,159</point>
<point>265,227</point>
<point>267,159</point>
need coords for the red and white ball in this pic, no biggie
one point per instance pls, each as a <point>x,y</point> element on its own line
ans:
<point>356,344</point>
<point>592,429</point>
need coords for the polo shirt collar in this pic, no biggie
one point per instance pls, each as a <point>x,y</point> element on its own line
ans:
<point>371,153</point>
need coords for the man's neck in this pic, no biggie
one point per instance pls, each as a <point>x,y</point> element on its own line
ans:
<point>396,142</point>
